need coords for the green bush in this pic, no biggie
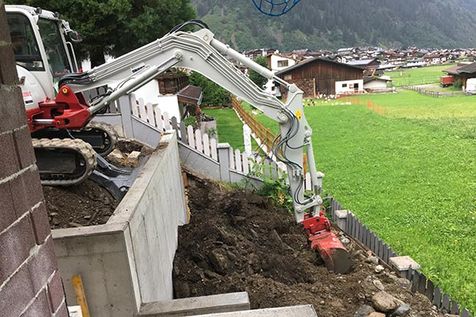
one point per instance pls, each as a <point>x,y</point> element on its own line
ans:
<point>213,94</point>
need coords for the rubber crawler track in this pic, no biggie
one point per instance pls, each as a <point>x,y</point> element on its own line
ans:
<point>109,130</point>
<point>79,146</point>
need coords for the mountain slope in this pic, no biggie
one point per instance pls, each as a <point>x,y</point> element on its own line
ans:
<point>325,24</point>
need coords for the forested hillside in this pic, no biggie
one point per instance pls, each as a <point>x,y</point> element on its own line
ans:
<point>331,24</point>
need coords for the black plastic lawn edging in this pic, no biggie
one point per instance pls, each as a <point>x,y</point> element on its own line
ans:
<point>419,282</point>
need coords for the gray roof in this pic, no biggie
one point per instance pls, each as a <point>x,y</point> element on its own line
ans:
<point>465,69</point>
<point>310,60</point>
<point>468,69</point>
<point>360,62</point>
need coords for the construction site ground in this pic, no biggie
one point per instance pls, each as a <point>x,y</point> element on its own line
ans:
<point>88,204</point>
<point>239,241</point>
<point>85,204</point>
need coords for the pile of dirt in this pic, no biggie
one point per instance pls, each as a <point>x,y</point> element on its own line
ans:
<point>88,203</point>
<point>85,204</point>
<point>238,241</point>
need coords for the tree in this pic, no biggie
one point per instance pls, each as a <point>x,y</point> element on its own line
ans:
<point>116,27</point>
<point>259,80</point>
<point>213,94</point>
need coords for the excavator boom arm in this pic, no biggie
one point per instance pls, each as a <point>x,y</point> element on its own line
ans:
<point>201,52</point>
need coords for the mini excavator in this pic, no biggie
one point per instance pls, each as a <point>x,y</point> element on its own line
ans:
<point>59,116</point>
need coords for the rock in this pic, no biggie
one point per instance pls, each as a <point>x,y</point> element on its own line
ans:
<point>358,253</point>
<point>376,315</point>
<point>219,261</point>
<point>379,269</point>
<point>364,311</point>
<point>344,240</point>
<point>384,302</point>
<point>372,259</point>
<point>378,285</point>
<point>116,156</point>
<point>133,158</point>
<point>402,310</point>
<point>403,282</point>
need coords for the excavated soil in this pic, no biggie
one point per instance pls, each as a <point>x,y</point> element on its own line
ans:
<point>88,204</point>
<point>85,204</point>
<point>238,241</point>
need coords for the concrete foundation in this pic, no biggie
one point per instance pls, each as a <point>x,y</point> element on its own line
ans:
<point>128,261</point>
<point>198,305</point>
<point>289,311</point>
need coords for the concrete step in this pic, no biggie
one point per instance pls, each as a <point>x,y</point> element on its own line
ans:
<point>197,305</point>
<point>289,311</point>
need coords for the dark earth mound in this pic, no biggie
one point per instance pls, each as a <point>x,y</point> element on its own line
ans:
<point>238,241</point>
<point>85,204</point>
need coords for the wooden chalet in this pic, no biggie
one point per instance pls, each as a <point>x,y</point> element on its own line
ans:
<point>172,82</point>
<point>462,73</point>
<point>317,76</point>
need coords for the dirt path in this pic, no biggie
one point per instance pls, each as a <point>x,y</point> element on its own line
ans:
<point>238,241</point>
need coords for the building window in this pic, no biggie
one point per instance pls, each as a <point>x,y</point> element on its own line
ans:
<point>283,63</point>
<point>288,77</point>
<point>344,85</point>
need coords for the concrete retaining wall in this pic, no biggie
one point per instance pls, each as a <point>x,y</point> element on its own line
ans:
<point>128,261</point>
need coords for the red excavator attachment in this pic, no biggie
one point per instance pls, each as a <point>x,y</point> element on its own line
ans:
<point>324,241</point>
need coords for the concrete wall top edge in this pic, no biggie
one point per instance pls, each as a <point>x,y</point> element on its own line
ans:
<point>106,228</point>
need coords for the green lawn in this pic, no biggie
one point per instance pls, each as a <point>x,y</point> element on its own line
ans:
<point>229,128</point>
<point>409,173</point>
<point>410,176</point>
<point>418,76</point>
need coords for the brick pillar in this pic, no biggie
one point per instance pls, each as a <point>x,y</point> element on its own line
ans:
<point>30,284</point>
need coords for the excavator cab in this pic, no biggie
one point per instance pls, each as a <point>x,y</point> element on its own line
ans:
<point>43,50</point>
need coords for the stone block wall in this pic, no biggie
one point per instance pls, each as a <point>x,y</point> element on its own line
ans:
<point>30,284</point>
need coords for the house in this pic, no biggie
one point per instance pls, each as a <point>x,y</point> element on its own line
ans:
<point>377,84</point>
<point>462,72</point>
<point>370,66</point>
<point>171,82</point>
<point>317,76</point>
<point>277,62</point>
<point>189,99</point>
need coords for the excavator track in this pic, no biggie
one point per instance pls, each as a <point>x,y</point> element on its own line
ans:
<point>64,162</point>
<point>101,136</point>
<point>104,137</point>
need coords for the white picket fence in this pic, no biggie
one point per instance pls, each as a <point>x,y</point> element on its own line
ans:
<point>245,163</point>
<point>150,113</point>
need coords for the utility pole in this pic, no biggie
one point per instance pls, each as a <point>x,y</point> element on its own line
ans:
<point>30,284</point>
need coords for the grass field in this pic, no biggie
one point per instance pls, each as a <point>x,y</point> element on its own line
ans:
<point>229,127</point>
<point>410,175</point>
<point>409,172</point>
<point>418,76</point>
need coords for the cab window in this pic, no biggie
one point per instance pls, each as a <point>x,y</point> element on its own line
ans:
<point>54,47</point>
<point>25,46</point>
